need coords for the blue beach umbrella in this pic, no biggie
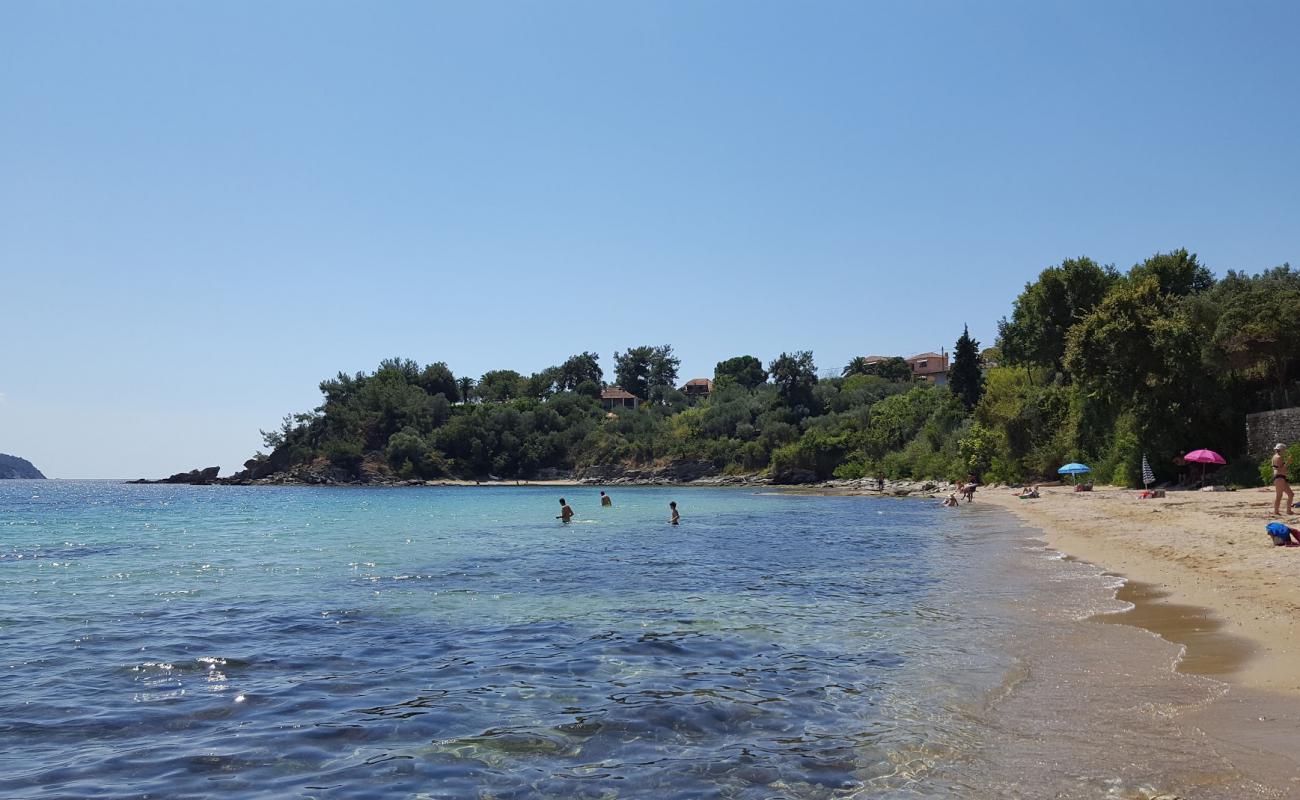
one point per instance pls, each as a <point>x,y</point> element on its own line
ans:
<point>1074,468</point>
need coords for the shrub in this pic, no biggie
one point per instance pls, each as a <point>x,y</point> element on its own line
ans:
<point>344,455</point>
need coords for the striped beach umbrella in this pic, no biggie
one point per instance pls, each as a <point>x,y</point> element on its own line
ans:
<point>1148,477</point>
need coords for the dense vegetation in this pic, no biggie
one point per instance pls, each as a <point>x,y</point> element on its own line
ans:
<point>1092,365</point>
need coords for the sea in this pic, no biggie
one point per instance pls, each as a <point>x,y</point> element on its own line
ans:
<point>162,641</point>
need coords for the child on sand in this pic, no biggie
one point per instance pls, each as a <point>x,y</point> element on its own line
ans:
<point>1282,534</point>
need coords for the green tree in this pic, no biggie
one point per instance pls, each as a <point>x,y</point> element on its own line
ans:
<point>745,371</point>
<point>895,369</point>
<point>858,366</point>
<point>965,378</point>
<point>1256,334</point>
<point>436,378</point>
<point>1177,273</point>
<point>1044,312</point>
<point>795,375</point>
<point>541,385</point>
<point>500,385</point>
<point>632,370</point>
<point>663,367</point>
<point>465,389</point>
<point>641,369</point>
<point>578,369</point>
<point>1139,354</point>
<point>978,450</point>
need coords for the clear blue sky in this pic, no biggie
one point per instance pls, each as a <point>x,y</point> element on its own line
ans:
<point>206,208</point>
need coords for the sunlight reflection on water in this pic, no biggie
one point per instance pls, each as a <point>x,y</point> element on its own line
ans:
<point>459,642</point>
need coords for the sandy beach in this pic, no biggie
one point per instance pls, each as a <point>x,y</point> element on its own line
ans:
<point>1185,555</point>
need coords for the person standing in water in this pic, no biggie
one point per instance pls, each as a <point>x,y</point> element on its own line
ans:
<point>566,513</point>
<point>676,517</point>
<point>605,502</point>
<point>1281,482</point>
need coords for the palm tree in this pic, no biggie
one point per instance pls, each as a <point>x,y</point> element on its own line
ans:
<point>466,385</point>
<point>857,366</point>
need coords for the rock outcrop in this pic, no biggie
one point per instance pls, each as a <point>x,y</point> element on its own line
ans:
<point>674,472</point>
<point>13,467</point>
<point>195,477</point>
<point>794,476</point>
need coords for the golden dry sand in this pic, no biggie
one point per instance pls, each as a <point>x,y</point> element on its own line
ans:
<point>1188,552</point>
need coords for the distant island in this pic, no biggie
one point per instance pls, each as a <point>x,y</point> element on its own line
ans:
<point>12,467</point>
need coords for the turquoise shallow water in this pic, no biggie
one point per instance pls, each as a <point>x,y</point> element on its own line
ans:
<point>171,641</point>
<point>451,642</point>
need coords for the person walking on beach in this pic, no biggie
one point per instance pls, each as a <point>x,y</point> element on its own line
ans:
<point>566,513</point>
<point>1281,484</point>
<point>676,517</point>
<point>605,502</point>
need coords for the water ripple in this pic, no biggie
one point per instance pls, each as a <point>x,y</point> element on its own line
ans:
<point>290,642</point>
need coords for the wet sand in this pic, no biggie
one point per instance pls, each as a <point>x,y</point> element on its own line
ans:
<point>1202,549</point>
<point>1200,573</point>
<point>1208,648</point>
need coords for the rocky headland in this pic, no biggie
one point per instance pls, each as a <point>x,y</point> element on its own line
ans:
<point>195,477</point>
<point>13,468</point>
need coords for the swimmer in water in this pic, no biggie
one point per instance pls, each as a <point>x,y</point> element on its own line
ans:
<point>676,517</point>
<point>566,513</point>
<point>605,502</point>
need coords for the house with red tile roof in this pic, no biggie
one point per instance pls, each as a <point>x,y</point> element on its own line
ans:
<point>698,387</point>
<point>613,397</point>
<point>932,367</point>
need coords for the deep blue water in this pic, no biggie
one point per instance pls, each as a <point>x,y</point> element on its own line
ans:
<point>172,641</point>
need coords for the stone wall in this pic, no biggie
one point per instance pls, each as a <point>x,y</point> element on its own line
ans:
<point>1267,428</point>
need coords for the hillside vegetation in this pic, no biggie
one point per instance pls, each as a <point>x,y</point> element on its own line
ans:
<point>1090,365</point>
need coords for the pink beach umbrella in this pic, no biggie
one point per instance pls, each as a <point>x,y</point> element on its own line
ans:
<point>1204,457</point>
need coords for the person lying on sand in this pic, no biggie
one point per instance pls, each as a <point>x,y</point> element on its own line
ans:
<point>1028,492</point>
<point>566,513</point>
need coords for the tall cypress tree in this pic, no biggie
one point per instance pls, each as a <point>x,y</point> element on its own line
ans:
<point>964,377</point>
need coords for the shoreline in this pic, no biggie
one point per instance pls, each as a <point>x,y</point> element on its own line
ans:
<point>864,487</point>
<point>1199,571</point>
<point>1188,593</point>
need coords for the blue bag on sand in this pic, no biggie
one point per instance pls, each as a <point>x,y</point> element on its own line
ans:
<point>1281,534</point>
